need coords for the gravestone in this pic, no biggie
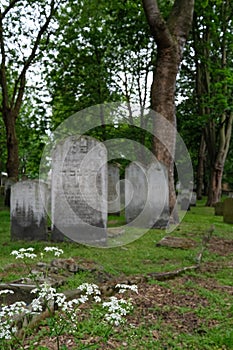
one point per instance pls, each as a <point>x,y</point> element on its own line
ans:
<point>193,199</point>
<point>228,210</point>
<point>114,200</point>
<point>79,191</point>
<point>28,214</point>
<point>146,195</point>
<point>185,198</point>
<point>218,209</point>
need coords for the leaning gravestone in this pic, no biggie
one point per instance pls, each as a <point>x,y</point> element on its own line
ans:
<point>79,191</point>
<point>28,214</point>
<point>146,195</point>
<point>228,210</point>
<point>114,200</point>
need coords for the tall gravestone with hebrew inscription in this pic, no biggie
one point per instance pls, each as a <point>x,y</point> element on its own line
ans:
<point>114,200</point>
<point>79,191</point>
<point>146,195</point>
<point>28,212</point>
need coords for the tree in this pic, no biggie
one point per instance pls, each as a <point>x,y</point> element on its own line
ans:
<point>212,43</point>
<point>23,29</point>
<point>103,55</point>
<point>170,34</point>
<point>208,94</point>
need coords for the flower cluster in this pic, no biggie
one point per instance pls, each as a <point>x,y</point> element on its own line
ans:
<point>6,291</point>
<point>23,253</point>
<point>90,289</point>
<point>47,297</point>
<point>55,250</point>
<point>8,314</point>
<point>117,309</point>
<point>126,287</point>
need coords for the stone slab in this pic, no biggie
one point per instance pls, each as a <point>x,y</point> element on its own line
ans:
<point>146,195</point>
<point>114,200</point>
<point>228,210</point>
<point>28,213</point>
<point>79,191</point>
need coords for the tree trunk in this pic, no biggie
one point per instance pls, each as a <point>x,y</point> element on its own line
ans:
<point>218,160</point>
<point>201,167</point>
<point>215,187</point>
<point>12,165</point>
<point>163,94</point>
<point>170,37</point>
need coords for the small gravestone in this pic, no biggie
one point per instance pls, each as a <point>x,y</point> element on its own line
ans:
<point>135,190</point>
<point>185,200</point>
<point>193,199</point>
<point>28,214</point>
<point>79,191</point>
<point>228,211</point>
<point>146,195</point>
<point>218,209</point>
<point>114,200</point>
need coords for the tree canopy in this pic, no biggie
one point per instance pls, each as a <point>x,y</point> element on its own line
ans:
<point>60,57</point>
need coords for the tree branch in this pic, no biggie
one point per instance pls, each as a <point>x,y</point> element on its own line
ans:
<point>3,80</point>
<point>21,81</point>
<point>158,26</point>
<point>9,7</point>
<point>180,17</point>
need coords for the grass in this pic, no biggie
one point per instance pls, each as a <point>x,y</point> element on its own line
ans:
<point>202,321</point>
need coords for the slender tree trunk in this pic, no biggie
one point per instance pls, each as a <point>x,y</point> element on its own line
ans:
<point>12,165</point>
<point>218,158</point>
<point>201,167</point>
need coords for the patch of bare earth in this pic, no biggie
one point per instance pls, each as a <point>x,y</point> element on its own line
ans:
<point>221,246</point>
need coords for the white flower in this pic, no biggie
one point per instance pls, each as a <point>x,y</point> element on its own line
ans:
<point>97,299</point>
<point>23,253</point>
<point>60,299</point>
<point>117,308</point>
<point>55,250</point>
<point>36,305</point>
<point>6,291</point>
<point>124,287</point>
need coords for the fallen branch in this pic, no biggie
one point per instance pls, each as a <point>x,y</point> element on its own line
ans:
<point>162,276</point>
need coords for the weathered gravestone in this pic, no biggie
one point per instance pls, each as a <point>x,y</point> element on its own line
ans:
<point>28,213</point>
<point>146,195</point>
<point>185,198</point>
<point>218,209</point>
<point>228,210</point>
<point>79,191</point>
<point>114,200</point>
<point>193,199</point>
